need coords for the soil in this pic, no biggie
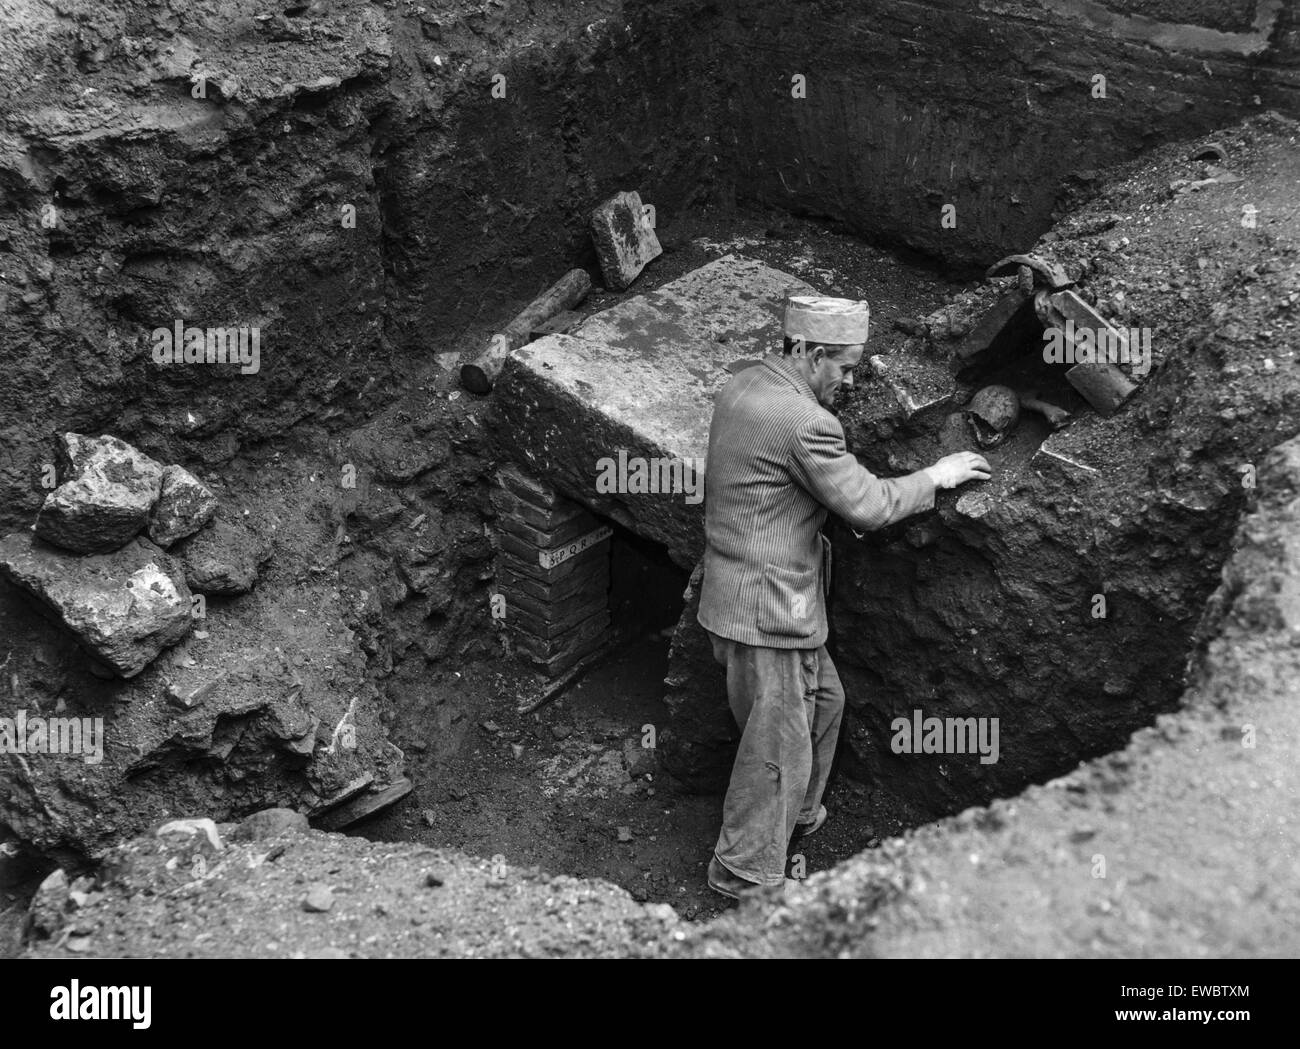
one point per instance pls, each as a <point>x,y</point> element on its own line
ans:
<point>567,802</point>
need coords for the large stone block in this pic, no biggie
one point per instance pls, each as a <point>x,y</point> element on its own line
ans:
<point>124,607</point>
<point>640,379</point>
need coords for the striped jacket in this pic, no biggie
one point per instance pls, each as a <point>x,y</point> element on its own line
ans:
<point>777,463</point>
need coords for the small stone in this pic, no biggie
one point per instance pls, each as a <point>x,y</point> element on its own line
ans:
<point>639,760</point>
<point>188,699</point>
<point>432,881</point>
<point>561,731</point>
<point>319,899</point>
<point>517,749</point>
<point>327,952</point>
<point>270,823</point>
<point>195,829</point>
<point>624,834</point>
<point>185,504</point>
<point>223,559</point>
<point>490,726</point>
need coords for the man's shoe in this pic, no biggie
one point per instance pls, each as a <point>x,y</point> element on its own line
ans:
<point>804,829</point>
<point>723,881</point>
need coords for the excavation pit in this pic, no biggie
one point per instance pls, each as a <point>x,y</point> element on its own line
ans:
<point>382,214</point>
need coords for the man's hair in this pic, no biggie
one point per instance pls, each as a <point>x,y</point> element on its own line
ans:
<point>833,349</point>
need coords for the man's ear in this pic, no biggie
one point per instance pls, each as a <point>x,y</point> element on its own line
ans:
<point>817,355</point>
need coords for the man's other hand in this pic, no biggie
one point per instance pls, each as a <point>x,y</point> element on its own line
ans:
<point>952,470</point>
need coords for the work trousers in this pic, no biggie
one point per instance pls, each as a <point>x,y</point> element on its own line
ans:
<point>788,703</point>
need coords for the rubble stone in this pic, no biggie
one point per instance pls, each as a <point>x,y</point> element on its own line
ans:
<point>223,559</point>
<point>124,607</point>
<point>185,504</point>
<point>107,492</point>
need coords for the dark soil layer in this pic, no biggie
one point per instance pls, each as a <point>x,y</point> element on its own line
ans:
<point>909,107</point>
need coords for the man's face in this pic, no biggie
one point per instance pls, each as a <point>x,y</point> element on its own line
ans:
<point>828,373</point>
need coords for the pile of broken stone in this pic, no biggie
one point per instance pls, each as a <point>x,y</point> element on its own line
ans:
<point>119,549</point>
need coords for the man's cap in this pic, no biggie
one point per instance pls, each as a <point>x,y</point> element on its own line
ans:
<point>834,321</point>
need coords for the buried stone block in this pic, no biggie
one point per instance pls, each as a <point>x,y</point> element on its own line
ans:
<point>635,383</point>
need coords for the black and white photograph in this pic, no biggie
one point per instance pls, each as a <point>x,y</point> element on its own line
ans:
<point>649,479</point>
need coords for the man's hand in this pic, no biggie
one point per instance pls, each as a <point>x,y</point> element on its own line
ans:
<point>952,470</point>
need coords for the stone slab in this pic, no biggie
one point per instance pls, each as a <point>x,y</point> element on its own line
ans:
<point>625,238</point>
<point>641,377</point>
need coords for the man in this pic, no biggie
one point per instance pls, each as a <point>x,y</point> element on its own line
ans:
<point>777,464</point>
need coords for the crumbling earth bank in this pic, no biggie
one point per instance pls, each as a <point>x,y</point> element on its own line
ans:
<point>989,610</point>
<point>993,109</point>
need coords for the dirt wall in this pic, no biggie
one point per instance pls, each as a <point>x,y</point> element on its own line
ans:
<point>906,108</point>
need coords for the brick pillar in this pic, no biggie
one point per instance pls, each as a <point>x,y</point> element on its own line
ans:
<point>552,570</point>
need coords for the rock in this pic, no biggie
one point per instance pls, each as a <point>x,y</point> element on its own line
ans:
<point>517,750</point>
<point>188,698</point>
<point>561,731</point>
<point>48,910</point>
<point>625,239</point>
<point>364,805</point>
<point>319,899</point>
<point>107,492</point>
<point>270,823</point>
<point>639,760</point>
<point>195,830</point>
<point>625,834</point>
<point>185,504</point>
<point>124,607</point>
<point>223,559</point>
